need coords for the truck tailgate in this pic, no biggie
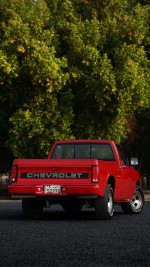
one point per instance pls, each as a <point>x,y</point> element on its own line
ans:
<point>45,171</point>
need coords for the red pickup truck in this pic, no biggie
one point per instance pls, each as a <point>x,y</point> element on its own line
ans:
<point>95,173</point>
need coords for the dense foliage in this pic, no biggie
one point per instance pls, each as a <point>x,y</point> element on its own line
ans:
<point>71,69</point>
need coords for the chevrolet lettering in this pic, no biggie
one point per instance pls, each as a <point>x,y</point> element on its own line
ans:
<point>66,175</point>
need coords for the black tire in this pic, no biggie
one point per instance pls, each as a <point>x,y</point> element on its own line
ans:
<point>104,206</point>
<point>135,205</point>
<point>32,208</point>
<point>72,205</point>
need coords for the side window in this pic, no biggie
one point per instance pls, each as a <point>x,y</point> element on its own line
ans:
<point>124,159</point>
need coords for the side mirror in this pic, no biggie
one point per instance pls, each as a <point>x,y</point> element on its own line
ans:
<point>134,161</point>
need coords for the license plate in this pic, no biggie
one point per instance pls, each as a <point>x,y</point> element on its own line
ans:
<point>53,189</point>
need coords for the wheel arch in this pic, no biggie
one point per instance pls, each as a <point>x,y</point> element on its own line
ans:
<point>111,181</point>
<point>138,182</point>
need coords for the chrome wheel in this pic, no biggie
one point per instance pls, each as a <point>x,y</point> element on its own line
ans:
<point>135,205</point>
<point>137,201</point>
<point>104,206</point>
<point>110,203</point>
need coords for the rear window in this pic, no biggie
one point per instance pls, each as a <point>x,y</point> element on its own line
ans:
<point>100,151</point>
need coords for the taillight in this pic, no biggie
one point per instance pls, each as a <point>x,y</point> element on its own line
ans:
<point>95,176</point>
<point>14,173</point>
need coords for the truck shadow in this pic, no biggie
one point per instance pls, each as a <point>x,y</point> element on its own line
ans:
<point>13,211</point>
<point>84,214</point>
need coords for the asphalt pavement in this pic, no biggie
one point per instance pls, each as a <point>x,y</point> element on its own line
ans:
<point>66,240</point>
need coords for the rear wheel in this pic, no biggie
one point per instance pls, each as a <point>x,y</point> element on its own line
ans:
<point>104,206</point>
<point>135,205</point>
<point>32,208</point>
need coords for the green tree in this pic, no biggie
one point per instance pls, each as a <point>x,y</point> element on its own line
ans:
<point>71,69</point>
<point>36,127</point>
<point>109,68</point>
<point>30,71</point>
